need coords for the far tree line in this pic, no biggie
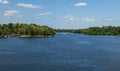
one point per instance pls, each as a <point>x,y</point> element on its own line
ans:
<point>105,30</point>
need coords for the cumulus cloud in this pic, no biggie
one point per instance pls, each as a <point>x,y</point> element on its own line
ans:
<point>11,13</point>
<point>4,2</point>
<point>29,5</point>
<point>70,19</point>
<point>80,4</point>
<point>19,16</point>
<point>74,20</point>
<point>88,19</point>
<point>112,19</point>
<point>44,14</point>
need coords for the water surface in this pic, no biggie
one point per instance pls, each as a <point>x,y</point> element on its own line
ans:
<point>64,52</point>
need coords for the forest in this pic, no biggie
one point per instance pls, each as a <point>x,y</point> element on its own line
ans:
<point>34,30</point>
<point>105,30</point>
<point>25,30</point>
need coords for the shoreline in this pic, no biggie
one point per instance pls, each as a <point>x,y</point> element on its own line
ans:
<point>26,36</point>
<point>33,36</point>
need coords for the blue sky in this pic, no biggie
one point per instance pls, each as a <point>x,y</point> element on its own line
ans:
<point>64,14</point>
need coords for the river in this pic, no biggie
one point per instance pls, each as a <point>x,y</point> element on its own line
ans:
<point>63,52</point>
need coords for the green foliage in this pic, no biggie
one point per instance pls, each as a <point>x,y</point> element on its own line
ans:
<point>105,30</point>
<point>64,30</point>
<point>25,29</point>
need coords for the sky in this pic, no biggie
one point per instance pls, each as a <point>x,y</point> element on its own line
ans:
<point>61,14</point>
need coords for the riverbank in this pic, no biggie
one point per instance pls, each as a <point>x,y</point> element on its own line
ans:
<point>33,36</point>
<point>3,36</point>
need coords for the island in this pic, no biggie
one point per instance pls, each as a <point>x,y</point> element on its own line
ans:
<point>25,30</point>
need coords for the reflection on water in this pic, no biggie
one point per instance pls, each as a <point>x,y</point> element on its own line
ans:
<point>64,52</point>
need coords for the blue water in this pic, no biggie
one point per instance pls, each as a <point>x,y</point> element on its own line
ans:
<point>63,52</point>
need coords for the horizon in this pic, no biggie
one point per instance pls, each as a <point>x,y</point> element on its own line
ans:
<point>61,14</point>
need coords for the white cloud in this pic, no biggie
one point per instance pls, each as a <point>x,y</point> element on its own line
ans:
<point>74,20</point>
<point>112,19</point>
<point>80,4</point>
<point>11,13</point>
<point>70,19</point>
<point>29,5</point>
<point>4,2</point>
<point>19,16</point>
<point>44,14</point>
<point>88,19</point>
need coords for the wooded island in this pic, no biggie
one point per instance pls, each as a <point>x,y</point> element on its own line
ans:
<point>25,30</point>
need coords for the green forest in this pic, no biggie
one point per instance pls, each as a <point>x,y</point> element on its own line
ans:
<point>25,30</point>
<point>33,30</point>
<point>105,30</point>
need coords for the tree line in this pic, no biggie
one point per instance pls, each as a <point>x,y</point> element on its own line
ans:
<point>18,29</point>
<point>25,29</point>
<point>105,30</point>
